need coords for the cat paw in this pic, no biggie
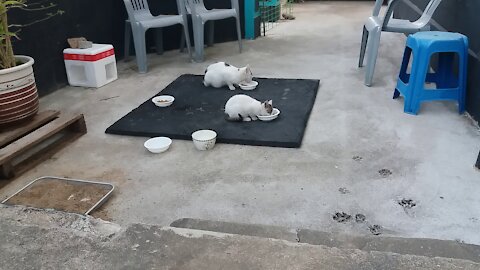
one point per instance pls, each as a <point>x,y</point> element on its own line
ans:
<point>248,119</point>
<point>231,87</point>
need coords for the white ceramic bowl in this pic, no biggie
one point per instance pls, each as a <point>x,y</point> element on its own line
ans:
<point>163,101</point>
<point>274,115</point>
<point>158,144</point>
<point>204,139</point>
<point>248,86</point>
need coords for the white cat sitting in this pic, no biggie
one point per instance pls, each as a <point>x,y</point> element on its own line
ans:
<point>245,108</point>
<point>221,74</point>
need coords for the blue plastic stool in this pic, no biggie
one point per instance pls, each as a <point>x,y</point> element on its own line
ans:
<point>450,84</point>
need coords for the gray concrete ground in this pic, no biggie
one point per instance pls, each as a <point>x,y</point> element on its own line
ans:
<point>430,156</point>
<point>52,240</point>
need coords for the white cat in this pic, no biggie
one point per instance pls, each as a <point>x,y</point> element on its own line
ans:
<point>221,74</point>
<point>245,108</point>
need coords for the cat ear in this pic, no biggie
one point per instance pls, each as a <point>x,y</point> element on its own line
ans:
<point>270,102</point>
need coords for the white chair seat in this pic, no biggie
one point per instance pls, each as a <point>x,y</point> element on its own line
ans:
<point>405,26</point>
<point>159,21</point>
<point>216,14</point>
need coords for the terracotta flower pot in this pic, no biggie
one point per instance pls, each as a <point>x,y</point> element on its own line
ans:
<point>18,92</point>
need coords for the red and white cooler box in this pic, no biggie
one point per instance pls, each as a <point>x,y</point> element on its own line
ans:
<point>92,67</point>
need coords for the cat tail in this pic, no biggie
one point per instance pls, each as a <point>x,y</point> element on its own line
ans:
<point>239,118</point>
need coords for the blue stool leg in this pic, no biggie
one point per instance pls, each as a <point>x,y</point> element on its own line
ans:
<point>403,76</point>
<point>444,75</point>
<point>417,82</point>
<point>463,76</point>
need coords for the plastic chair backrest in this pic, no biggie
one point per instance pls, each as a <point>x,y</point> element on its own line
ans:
<point>181,7</point>
<point>422,21</point>
<point>137,9</point>
<point>428,12</point>
<point>193,5</point>
<point>377,7</point>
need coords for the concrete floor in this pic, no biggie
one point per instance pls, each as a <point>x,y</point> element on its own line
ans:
<point>75,242</point>
<point>431,155</point>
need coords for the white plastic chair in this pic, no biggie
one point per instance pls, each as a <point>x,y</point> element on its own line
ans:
<point>201,15</point>
<point>140,20</point>
<point>375,25</point>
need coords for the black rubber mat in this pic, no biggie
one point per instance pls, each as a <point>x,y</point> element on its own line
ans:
<point>199,107</point>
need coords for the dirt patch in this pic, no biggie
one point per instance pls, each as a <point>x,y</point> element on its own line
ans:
<point>343,190</point>
<point>102,213</point>
<point>60,195</point>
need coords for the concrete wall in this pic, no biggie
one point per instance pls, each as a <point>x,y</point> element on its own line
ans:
<point>456,16</point>
<point>101,21</point>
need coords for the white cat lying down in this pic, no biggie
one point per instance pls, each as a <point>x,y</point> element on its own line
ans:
<point>221,74</point>
<point>245,108</point>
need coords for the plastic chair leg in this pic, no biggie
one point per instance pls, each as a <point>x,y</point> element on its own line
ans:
<point>186,37</point>
<point>140,50</point>
<point>198,28</point>
<point>128,37</point>
<point>182,41</point>
<point>211,33</point>
<point>372,51</point>
<point>239,34</point>
<point>159,40</point>
<point>363,46</point>
<point>477,165</point>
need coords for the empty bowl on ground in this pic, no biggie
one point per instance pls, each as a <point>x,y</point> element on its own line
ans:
<point>204,139</point>
<point>274,115</point>
<point>163,101</point>
<point>158,144</point>
<point>248,85</point>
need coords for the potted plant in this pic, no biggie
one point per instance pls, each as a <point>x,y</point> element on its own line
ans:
<point>18,92</point>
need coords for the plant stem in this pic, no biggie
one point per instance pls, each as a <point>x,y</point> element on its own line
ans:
<point>8,58</point>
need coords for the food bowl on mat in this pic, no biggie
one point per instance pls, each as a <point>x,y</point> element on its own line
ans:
<point>248,86</point>
<point>163,101</point>
<point>204,139</point>
<point>274,115</point>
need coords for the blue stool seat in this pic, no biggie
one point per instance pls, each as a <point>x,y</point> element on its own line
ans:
<point>450,81</point>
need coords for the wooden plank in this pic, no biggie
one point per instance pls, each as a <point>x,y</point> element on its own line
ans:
<point>44,154</point>
<point>67,126</point>
<point>12,133</point>
<point>22,145</point>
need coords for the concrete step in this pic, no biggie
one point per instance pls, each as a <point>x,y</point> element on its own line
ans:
<point>408,246</point>
<point>39,239</point>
